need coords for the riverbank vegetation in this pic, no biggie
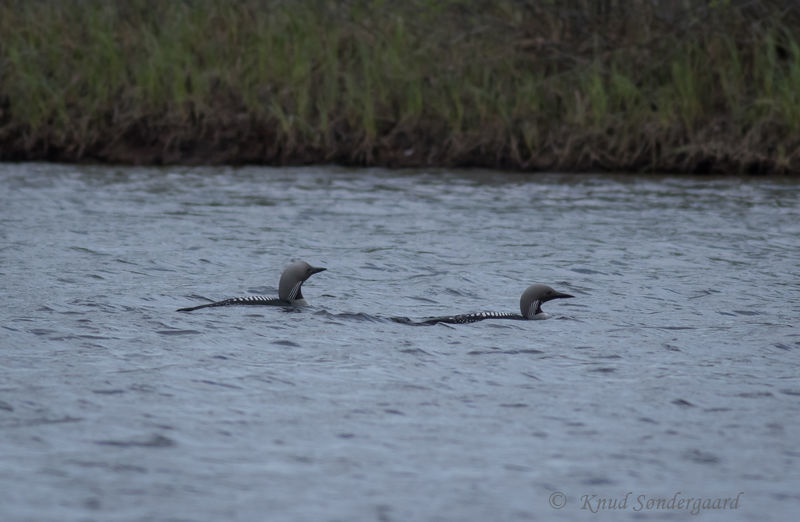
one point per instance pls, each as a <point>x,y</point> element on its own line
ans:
<point>569,85</point>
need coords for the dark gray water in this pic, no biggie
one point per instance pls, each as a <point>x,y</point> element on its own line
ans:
<point>673,371</point>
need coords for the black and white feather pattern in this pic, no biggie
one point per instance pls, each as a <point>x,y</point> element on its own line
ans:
<point>461,318</point>
<point>248,300</point>
<point>534,308</point>
<point>295,293</point>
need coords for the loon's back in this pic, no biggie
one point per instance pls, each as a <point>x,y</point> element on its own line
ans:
<point>249,300</point>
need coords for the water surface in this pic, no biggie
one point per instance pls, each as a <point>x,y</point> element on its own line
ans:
<point>675,368</point>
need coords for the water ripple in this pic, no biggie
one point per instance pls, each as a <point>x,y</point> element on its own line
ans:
<point>674,367</point>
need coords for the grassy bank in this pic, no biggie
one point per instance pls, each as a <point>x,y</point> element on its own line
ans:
<point>689,86</point>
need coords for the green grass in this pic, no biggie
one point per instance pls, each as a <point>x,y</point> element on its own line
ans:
<point>565,85</point>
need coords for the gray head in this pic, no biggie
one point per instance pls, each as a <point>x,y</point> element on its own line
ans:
<point>532,298</point>
<point>292,279</point>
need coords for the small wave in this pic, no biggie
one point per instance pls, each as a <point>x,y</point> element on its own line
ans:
<point>350,316</point>
<point>603,370</point>
<point>755,395</point>
<point>286,342</point>
<point>156,441</point>
<point>528,351</point>
<point>177,332</point>
<point>701,457</point>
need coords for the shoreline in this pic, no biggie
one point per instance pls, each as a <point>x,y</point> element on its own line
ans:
<point>256,153</point>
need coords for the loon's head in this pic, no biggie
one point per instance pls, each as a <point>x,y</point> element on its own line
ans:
<point>289,287</point>
<point>530,304</point>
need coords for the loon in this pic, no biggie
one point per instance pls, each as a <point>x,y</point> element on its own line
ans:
<point>530,307</point>
<point>289,290</point>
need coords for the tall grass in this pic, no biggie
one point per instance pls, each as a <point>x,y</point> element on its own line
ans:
<point>524,84</point>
